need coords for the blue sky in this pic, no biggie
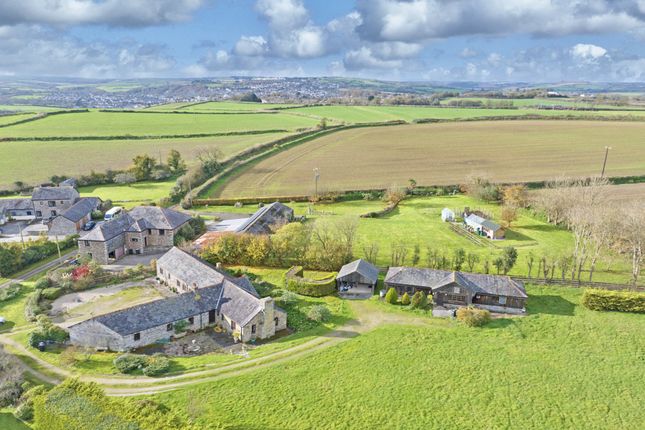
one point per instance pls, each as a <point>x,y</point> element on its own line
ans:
<point>436,40</point>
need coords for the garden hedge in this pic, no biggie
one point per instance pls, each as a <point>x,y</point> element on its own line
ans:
<point>618,301</point>
<point>294,282</point>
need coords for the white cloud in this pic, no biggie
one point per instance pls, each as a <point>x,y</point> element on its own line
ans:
<point>587,52</point>
<point>468,53</point>
<point>364,58</point>
<point>121,13</point>
<point>251,46</point>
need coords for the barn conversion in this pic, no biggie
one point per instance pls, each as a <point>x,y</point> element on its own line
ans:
<point>219,300</point>
<point>455,289</point>
<point>357,279</point>
<point>264,221</point>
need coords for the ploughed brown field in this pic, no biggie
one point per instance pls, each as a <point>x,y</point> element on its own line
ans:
<point>441,154</point>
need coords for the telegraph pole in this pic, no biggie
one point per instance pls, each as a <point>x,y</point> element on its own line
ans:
<point>316,178</point>
<point>604,163</point>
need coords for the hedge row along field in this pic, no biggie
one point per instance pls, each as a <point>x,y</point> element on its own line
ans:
<point>445,153</point>
<point>618,301</point>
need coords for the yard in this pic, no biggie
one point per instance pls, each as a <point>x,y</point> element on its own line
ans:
<point>417,221</point>
<point>556,368</point>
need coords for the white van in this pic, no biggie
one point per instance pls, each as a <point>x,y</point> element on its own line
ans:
<point>113,213</point>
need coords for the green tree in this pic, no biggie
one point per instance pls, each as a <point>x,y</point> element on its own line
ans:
<point>458,259</point>
<point>391,297</point>
<point>175,162</point>
<point>499,264</point>
<point>210,159</point>
<point>419,300</point>
<point>405,300</point>
<point>143,165</point>
<point>509,257</point>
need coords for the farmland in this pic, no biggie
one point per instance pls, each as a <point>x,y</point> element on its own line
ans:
<point>445,153</point>
<point>79,157</point>
<point>547,370</point>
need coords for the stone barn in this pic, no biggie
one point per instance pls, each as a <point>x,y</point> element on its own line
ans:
<point>357,279</point>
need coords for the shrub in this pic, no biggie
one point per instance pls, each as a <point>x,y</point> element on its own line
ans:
<point>288,298</point>
<point>473,317</point>
<point>32,306</point>
<point>25,411</point>
<point>310,287</point>
<point>43,283</point>
<point>47,331</point>
<point>52,293</point>
<point>318,313</point>
<point>617,301</point>
<point>127,363</point>
<point>419,300</point>
<point>156,365</point>
<point>9,292</point>
<point>391,297</point>
<point>405,300</point>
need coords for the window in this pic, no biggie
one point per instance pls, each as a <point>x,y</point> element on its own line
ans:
<point>137,336</point>
<point>276,320</point>
<point>191,320</point>
<point>502,300</point>
<point>169,327</point>
<point>39,214</point>
<point>161,270</point>
<point>28,212</point>
<point>456,290</point>
<point>87,242</point>
<point>253,329</point>
<point>222,317</point>
<point>54,213</point>
<point>162,232</point>
<point>135,239</point>
<point>149,231</point>
<point>62,202</point>
<point>178,283</point>
<point>233,325</point>
<point>51,204</point>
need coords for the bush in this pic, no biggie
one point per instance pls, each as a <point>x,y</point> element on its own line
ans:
<point>47,331</point>
<point>405,300</point>
<point>9,292</point>
<point>156,365</point>
<point>311,288</point>
<point>419,300</point>
<point>288,298</point>
<point>32,306</point>
<point>617,301</point>
<point>391,297</point>
<point>43,283</point>
<point>25,411</point>
<point>52,293</point>
<point>318,313</point>
<point>473,317</point>
<point>128,363</point>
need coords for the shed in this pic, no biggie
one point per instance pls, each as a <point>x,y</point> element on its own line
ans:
<point>447,215</point>
<point>357,279</point>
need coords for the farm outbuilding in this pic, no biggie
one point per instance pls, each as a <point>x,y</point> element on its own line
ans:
<point>357,279</point>
<point>447,215</point>
<point>483,226</point>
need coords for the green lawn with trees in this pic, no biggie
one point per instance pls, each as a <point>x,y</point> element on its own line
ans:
<point>555,368</point>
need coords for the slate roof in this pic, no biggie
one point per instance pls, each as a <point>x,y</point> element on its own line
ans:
<point>54,193</point>
<point>71,182</point>
<point>238,304</point>
<point>84,206</point>
<point>15,204</point>
<point>109,229</point>
<point>435,279</point>
<point>195,272</point>
<point>159,218</point>
<point>361,267</point>
<point>262,221</point>
<point>483,222</point>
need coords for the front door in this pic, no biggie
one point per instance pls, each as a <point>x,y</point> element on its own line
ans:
<point>211,317</point>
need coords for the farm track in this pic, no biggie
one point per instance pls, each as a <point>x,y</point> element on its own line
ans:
<point>369,319</point>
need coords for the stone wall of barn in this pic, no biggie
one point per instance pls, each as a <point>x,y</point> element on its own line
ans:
<point>95,335</point>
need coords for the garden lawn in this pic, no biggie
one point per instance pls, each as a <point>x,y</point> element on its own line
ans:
<point>9,422</point>
<point>73,158</point>
<point>147,123</point>
<point>418,221</point>
<point>560,367</point>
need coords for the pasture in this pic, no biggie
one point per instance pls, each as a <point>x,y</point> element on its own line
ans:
<point>146,123</point>
<point>128,196</point>
<point>35,161</point>
<point>445,153</point>
<point>548,370</point>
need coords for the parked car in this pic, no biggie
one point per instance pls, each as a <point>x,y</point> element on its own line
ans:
<point>89,225</point>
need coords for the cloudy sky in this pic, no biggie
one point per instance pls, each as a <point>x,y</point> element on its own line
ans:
<point>437,40</point>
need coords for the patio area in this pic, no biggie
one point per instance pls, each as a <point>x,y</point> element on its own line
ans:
<point>358,292</point>
<point>203,342</point>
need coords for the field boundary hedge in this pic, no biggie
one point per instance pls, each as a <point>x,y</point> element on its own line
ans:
<point>617,301</point>
<point>179,112</point>
<point>295,282</point>
<point>533,117</point>
<point>41,115</point>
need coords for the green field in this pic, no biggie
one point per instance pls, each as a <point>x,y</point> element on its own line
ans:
<point>147,123</point>
<point>523,103</point>
<point>29,108</point>
<point>417,221</point>
<point>232,106</point>
<point>445,153</point>
<point>5,120</point>
<point>130,195</point>
<point>35,161</point>
<point>560,367</point>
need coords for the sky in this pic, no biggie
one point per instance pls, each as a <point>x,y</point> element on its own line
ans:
<point>416,40</point>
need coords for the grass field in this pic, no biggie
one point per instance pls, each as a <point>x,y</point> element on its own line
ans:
<point>146,123</point>
<point>523,103</point>
<point>445,154</point>
<point>232,106</point>
<point>29,108</point>
<point>418,221</point>
<point>560,367</point>
<point>9,422</point>
<point>35,161</point>
<point>10,119</point>
<point>358,114</point>
<point>130,195</point>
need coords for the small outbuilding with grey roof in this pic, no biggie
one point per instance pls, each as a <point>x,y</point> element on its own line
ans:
<point>357,279</point>
<point>74,218</point>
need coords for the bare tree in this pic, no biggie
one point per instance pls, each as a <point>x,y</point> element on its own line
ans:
<point>632,233</point>
<point>398,254</point>
<point>370,251</point>
<point>433,258</point>
<point>471,260</point>
<point>530,259</point>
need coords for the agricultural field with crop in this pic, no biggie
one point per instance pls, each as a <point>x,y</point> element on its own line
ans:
<point>436,154</point>
<point>547,370</point>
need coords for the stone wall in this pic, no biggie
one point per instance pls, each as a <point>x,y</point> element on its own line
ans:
<point>95,335</point>
<point>96,250</point>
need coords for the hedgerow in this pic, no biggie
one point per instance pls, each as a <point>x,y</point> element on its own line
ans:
<point>618,301</point>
